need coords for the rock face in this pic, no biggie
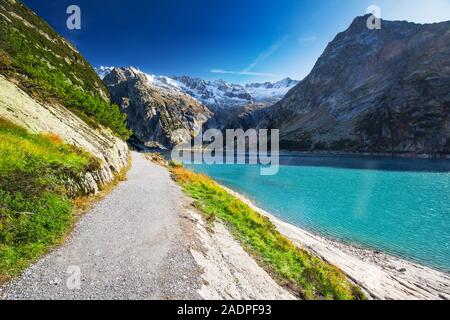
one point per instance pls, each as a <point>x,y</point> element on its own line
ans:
<point>380,91</point>
<point>249,116</point>
<point>159,114</point>
<point>20,108</point>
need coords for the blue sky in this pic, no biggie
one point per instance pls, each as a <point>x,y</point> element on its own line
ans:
<point>236,40</point>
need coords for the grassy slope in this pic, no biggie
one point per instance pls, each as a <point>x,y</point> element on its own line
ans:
<point>35,209</point>
<point>311,277</point>
<point>48,68</point>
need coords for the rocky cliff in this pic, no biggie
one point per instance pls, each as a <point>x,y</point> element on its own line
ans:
<point>380,91</point>
<point>159,114</point>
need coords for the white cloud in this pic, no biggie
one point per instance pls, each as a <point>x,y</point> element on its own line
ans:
<point>266,54</point>
<point>303,40</point>
<point>261,58</point>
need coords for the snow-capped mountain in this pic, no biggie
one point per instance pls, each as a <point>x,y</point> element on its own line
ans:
<point>218,94</point>
<point>270,93</point>
<point>102,71</point>
<point>159,113</point>
<point>215,94</point>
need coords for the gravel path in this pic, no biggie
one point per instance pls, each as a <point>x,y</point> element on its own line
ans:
<point>134,244</point>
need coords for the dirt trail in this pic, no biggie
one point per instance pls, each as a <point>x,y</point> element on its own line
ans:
<point>139,243</point>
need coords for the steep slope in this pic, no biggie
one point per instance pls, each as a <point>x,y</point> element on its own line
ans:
<point>20,108</point>
<point>47,86</point>
<point>159,114</point>
<point>245,117</point>
<point>382,91</point>
<point>49,68</point>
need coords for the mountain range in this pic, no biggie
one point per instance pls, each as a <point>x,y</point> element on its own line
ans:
<point>372,91</point>
<point>219,93</point>
<point>157,105</point>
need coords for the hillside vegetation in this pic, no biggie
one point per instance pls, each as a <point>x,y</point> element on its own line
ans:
<point>309,276</point>
<point>50,69</point>
<point>35,206</point>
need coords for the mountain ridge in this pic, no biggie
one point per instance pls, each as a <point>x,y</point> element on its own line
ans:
<point>218,94</point>
<point>375,91</point>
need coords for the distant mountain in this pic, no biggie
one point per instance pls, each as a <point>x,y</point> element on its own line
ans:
<point>231,105</point>
<point>381,91</point>
<point>103,71</point>
<point>158,112</point>
<point>270,93</point>
<point>220,94</point>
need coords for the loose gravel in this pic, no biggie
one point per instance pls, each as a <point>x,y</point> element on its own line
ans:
<point>134,244</point>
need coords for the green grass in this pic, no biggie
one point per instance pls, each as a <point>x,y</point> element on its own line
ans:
<point>45,66</point>
<point>35,207</point>
<point>309,276</point>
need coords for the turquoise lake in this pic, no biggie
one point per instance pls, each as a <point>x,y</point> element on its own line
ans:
<point>401,207</point>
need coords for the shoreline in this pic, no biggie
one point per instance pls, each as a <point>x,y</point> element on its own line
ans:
<point>293,153</point>
<point>380,275</point>
<point>387,155</point>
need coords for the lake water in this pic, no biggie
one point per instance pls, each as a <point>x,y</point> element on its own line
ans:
<point>397,206</point>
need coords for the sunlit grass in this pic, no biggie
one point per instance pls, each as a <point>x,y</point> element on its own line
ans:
<point>35,208</point>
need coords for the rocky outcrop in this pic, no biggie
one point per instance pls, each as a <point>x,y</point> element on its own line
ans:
<point>376,91</point>
<point>245,117</point>
<point>159,114</point>
<point>19,107</point>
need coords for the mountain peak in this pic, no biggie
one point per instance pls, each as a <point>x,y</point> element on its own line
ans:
<point>372,91</point>
<point>117,75</point>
